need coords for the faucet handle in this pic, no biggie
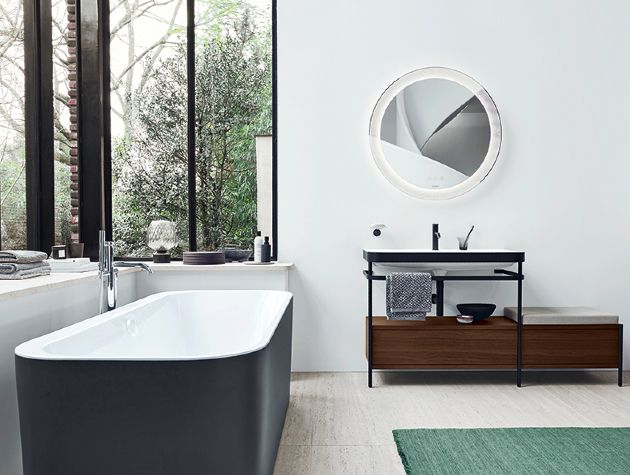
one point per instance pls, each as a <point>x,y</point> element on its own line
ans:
<point>105,253</point>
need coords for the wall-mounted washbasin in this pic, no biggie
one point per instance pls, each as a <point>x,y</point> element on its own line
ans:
<point>444,260</point>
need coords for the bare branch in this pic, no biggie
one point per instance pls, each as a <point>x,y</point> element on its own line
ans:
<point>134,14</point>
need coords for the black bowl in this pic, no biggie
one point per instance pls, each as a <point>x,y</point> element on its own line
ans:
<point>478,311</point>
<point>237,255</point>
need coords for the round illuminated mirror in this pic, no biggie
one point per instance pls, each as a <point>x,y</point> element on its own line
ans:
<point>435,133</point>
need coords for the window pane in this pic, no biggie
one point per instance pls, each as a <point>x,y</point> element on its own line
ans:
<point>12,156</point>
<point>233,107</point>
<point>65,117</point>
<point>148,121</point>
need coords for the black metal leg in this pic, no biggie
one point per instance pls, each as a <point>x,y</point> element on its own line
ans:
<point>519,337</point>
<point>620,365</point>
<point>369,326</point>
<point>439,290</point>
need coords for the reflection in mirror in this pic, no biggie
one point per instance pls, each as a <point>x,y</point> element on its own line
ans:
<point>435,133</point>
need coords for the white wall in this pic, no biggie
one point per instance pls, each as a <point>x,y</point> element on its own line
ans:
<point>165,281</point>
<point>560,75</point>
<point>264,179</point>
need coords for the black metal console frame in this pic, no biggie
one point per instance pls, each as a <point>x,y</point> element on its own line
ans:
<point>499,275</point>
<point>620,355</point>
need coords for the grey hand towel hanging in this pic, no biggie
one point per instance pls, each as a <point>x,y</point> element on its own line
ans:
<point>408,295</point>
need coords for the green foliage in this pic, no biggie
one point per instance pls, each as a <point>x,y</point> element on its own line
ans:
<point>233,104</point>
<point>12,195</point>
<point>63,229</point>
<point>13,198</point>
<point>150,166</point>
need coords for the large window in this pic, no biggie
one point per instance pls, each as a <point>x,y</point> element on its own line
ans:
<point>148,120</point>
<point>12,155</point>
<point>233,101</point>
<point>133,111</point>
<point>153,152</point>
<point>62,148</point>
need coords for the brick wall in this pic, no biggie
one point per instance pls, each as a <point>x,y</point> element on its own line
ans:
<point>72,90</point>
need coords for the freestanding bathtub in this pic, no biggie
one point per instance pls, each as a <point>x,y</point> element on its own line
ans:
<point>177,383</point>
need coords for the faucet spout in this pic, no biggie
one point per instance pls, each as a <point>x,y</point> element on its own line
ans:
<point>141,265</point>
<point>436,237</point>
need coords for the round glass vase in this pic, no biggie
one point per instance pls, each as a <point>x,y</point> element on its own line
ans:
<point>162,237</point>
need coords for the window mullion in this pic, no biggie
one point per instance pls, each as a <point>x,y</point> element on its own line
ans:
<point>39,125</point>
<point>91,123</point>
<point>192,171</point>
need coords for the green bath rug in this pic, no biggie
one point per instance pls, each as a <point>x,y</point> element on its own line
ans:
<point>528,451</point>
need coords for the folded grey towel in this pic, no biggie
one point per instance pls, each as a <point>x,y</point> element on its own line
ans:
<point>22,257</point>
<point>10,271</point>
<point>408,295</point>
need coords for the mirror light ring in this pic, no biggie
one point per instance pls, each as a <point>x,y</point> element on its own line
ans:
<point>493,148</point>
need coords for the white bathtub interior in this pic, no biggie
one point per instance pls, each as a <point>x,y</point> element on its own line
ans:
<point>181,325</point>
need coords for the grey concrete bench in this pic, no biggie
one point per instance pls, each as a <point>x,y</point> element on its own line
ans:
<point>570,337</point>
<point>563,316</point>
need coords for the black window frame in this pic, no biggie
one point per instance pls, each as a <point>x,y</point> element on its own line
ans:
<point>38,125</point>
<point>94,131</point>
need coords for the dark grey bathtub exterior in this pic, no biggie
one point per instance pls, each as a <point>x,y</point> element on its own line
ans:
<point>201,417</point>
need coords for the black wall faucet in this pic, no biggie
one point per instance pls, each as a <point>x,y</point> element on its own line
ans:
<point>436,237</point>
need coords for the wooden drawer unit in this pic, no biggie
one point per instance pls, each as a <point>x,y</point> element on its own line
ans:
<point>571,346</point>
<point>441,342</point>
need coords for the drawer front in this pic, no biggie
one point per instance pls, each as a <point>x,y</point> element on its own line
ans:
<point>443,348</point>
<point>570,346</point>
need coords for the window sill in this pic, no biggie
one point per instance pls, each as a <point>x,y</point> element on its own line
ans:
<point>18,288</point>
<point>230,266</point>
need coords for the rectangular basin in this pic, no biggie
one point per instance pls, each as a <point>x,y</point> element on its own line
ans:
<point>444,260</point>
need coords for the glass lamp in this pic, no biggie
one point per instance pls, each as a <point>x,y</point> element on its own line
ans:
<point>162,237</point>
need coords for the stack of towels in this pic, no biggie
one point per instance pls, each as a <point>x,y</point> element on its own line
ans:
<point>16,265</point>
<point>409,295</point>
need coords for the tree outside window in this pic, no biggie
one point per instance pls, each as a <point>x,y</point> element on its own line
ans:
<point>149,110</point>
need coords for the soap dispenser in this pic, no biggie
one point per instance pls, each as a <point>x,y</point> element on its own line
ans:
<point>258,242</point>
<point>266,250</point>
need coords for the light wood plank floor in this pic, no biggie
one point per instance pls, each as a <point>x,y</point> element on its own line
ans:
<point>336,425</point>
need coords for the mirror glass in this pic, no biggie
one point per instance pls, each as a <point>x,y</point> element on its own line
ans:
<point>438,131</point>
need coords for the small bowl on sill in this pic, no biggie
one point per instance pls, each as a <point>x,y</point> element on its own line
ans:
<point>237,255</point>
